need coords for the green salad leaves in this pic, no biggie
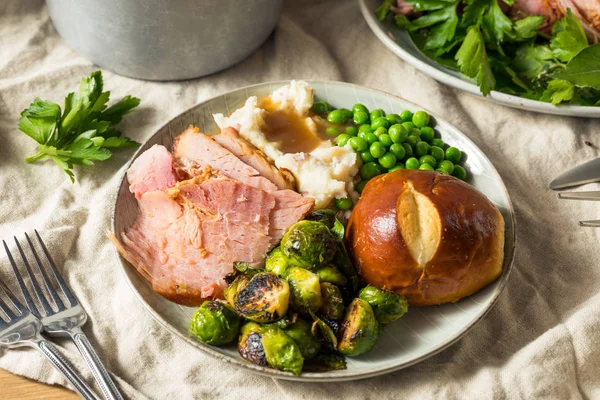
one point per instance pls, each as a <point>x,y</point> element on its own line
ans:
<point>510,56</point>
<point>83,132</point>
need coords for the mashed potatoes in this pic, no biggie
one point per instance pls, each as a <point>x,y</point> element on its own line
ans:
<point>322,170</point>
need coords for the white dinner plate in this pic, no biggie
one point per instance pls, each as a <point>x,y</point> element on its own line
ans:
<point>423,331</point>
<point>400,43</point>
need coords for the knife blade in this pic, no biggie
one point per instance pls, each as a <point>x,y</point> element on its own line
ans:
<point>584,173</point>
<point>593,195</point>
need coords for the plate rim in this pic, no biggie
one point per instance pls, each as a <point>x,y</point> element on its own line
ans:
<point>447,79</point>
<point>312,376</point>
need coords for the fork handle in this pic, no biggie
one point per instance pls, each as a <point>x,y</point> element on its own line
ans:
<point>50,351</point>
<point>108,387</point>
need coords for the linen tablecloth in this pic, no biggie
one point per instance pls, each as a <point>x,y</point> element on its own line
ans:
<point>541,339</point>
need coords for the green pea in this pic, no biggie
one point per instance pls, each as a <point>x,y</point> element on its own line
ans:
<point>409,126</point>
<point>386,140</point>
<point>360,117</point>
<point>438,142</point>
<point>365,128</point>
<point>415,132</point>
<point>321,107</point>
<point>380,131</point>
<point>371,138</point>
<point>420,119</point>
<point>428,160</point>
<point>442,170</point>
<point>377,114</point>
<point>398,150</point>
<point>351,130</point>
<point>397,167</point>
<point>448,166</point>
<point>358,144</point>
<point>344,204</point>
<point>388,160</point>
<point>437,153</point>
<point>426,167</point>
<point>459,172</point>
<point>337,116</point>
<point>393,118</point>
<point>331,131</point>
<point>362,134</point>
<point>406,116</point>
<point>408,148</point>
<point>397,133</point>
<point>453,154</point>
<point>412,140</point>
<point>342,139</point>
<point>427,133</point>
<point>366,156</point>
<point>421,149</point>
<point>360,186</point>
<point>370,170</point>
<point>412,163</point>
<point>377,149</point>
<point>359,108</point>
<point>380,122</point>
<point>347,113</point>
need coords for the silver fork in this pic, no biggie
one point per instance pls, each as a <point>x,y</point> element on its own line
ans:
<point>18,327</point>
<point>68,319</point>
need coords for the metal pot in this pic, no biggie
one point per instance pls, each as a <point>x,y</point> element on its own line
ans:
<point>164,39</point>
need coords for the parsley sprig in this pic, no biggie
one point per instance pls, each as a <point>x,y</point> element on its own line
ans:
<point>510,56</point>
<point>83,132</point>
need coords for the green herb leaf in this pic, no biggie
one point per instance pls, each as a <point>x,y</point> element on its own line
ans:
<point>384,9</point>
<point>473,60</point>
<point>558,91</point>
<point>496,24</point>
<point>526,28</point>
<point>115,113</point>
<point>583,69</point>
<point>530,60</point>
<point>119,142</point>
<point>429,5</point>
<point>402,22</point>
<point>473,12</point>
<point>568,37</point>
<point>39,120</point>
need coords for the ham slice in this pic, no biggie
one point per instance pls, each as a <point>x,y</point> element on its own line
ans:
<point>188,234</point>
<point>152,170</point>
<point>231,140</point>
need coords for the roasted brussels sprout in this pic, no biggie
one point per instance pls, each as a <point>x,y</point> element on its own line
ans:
<point>342,261</point>
<point>269,345</point>
<point>277,262</point>
<point>333,303</point>
<point>326,217</point>
<point>234,287</point>
<point>305,290</point>
<point>338,230</point>
<point>331,274</point>
<point>359,329</point>
<point>321,329</point>
<point>264,298</point>
<point>215,323</point>
<point>309,244</point>
<point>387,306</point>
<point>325,362</point>
<point>244,268</point>
<point>300,332</point>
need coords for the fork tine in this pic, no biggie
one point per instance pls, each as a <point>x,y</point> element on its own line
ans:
<point>47,282</point>
<point>36,287</point>
<point>24,291</point>
<point>61,282</point>
<point>6,309</point>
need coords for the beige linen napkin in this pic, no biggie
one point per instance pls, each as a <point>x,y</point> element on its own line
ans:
<point>539,341</point>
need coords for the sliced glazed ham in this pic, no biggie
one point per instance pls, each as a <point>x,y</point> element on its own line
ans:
<point>152,170</point>
<point>231,140</point>
<point>188,234</point>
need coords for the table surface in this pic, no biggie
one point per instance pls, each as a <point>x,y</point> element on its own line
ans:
<point>17,387</point>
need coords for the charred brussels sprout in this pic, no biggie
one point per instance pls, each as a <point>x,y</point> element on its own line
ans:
<point>264,298</point>
<point>326,217</point>
<point>387,306</point>
<point>234,287</point>
<point>331,274</point>
<point>215,323</point>
<point>305,290</point>
<point>277,262</point>
<point>308,343</point>
<point>325,332</point>
<point>333,303</point>
<point>309,244</point>
<point>359,329</point>
<point>342,261</point>
<point>270,346</point>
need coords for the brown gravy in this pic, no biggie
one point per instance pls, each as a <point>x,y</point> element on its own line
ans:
<point>288,129</point>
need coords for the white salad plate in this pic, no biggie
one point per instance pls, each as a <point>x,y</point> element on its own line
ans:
<point>400,43</point>
<point>423,331</point>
